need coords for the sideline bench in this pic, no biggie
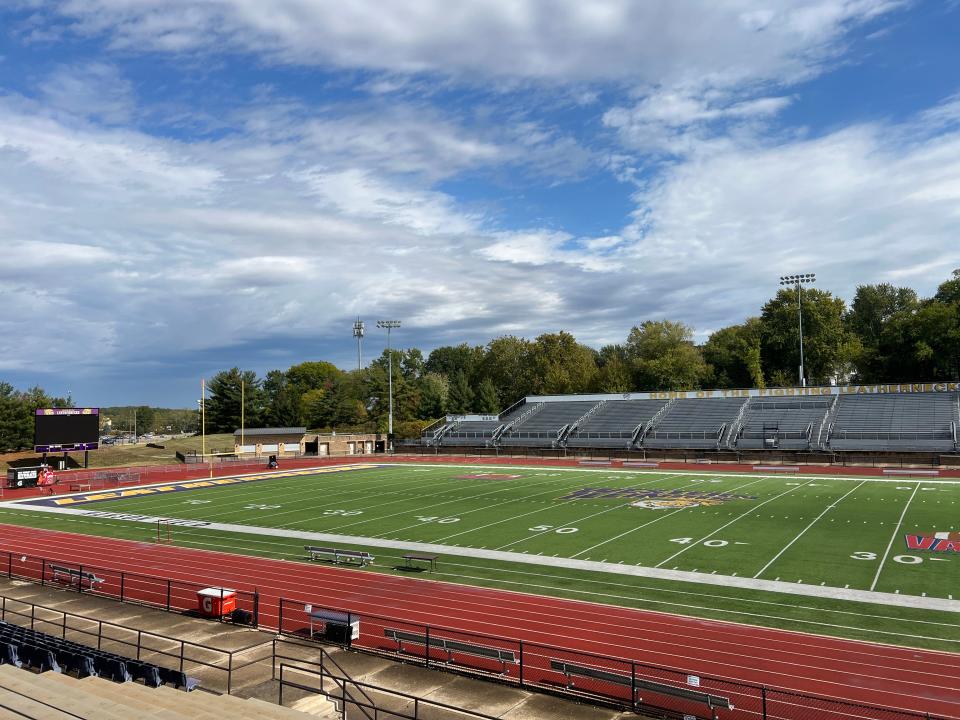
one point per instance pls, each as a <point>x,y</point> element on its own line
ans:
<point>75,577</point>
<point>410,558</point>
<point>453,646</point>
<point>571,670</point>
<point>338,556</point>
<point>917,472</point>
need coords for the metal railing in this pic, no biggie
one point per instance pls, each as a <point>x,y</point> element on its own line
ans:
<point>341,694</point>
<point>159,592</point>
<point>617,684</point>
<point>218,664</point>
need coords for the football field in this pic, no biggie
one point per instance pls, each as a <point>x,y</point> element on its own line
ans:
<point>848,533</point>
<point>868,534</point>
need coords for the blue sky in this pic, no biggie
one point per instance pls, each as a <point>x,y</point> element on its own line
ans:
<point>187,186</point>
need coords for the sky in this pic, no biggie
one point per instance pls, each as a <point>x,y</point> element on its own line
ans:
<point>188,186</point>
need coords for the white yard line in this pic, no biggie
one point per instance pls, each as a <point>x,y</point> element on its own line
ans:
<point>896,531</point>
<point>880,598</point>
<point>534,512</point>
<point>739,517</point>
<point>640,527</point>
<point>617,537</point>
<point>786,547</point>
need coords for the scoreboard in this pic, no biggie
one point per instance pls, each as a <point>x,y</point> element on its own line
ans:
<point>66,429</point>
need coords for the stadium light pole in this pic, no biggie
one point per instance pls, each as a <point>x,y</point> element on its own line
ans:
<point>797,281</point>
<point>389,325</point>
<point>358,334</point>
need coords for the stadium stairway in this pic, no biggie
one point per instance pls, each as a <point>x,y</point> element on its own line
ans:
<point>55,696</point>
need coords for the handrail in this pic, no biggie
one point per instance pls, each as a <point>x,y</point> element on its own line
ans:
<point>223,664</point>
<point>638,440</point>
<point>534,408</point>
<point>736,424</point>
<point>324,656</point>
<point>573,426</point>
<point>530,673</point>
<point>416,701</point>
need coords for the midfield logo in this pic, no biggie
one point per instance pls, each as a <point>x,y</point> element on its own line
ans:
<point>935,542</point>
<point>653,499</point>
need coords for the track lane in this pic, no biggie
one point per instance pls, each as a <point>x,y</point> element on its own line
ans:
<point>900,677</point>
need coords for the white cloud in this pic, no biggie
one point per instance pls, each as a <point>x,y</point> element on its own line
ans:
<point>655,42</point>
<point>680,121</point>
<point>94,90</point>
<point>855,206</point>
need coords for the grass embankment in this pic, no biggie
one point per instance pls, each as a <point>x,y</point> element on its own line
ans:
<point>139,454</point>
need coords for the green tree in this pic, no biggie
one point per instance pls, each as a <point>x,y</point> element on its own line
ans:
<point>733,354</point>
<point>559,365</point>
<point>434,391</point>
<point>614,374</point>
<point>17,413</point>
<point>663,357</point>
<point>448,360</point>
<point>312,375</point>
<point>223,406</point>
<point>460,399</point>
<point>486,401</point>
<point>825,336</point>
<point>506,362</point>
<point>281,401</point>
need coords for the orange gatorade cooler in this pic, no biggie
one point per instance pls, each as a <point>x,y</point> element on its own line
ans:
<point>216,602</point>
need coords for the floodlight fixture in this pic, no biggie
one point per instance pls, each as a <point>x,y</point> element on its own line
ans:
<point>797,281</point>
<point>358,330</point>
<point>389,325</point>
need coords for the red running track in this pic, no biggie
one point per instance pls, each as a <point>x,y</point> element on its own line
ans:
<point>895,677</point>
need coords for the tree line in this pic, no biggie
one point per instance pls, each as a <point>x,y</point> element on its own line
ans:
<point>886,334</point>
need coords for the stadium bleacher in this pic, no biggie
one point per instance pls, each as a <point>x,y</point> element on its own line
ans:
<point>544,425</point>
<point>917,421</point>
<point>781,423</point>
<point>57,696</point>
<point>614,424</point>
<point>21,646</point>
<point>805,420</point>
<point>694,423</point>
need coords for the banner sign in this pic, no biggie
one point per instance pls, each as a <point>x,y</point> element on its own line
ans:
<point>820,391</point>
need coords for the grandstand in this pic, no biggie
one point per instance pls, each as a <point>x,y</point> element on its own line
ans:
<point>781,423</point>
<point>918,422</point>
<point>696,423</point>
<point>613,423</point>
<point>920,417</point>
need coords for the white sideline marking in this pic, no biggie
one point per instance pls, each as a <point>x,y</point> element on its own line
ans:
<point>893,537</point>
<point>879,598</point>
<point>787,546</point>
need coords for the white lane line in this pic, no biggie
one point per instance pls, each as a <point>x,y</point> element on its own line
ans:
<point>739,517</point>
<point>893,537</point>
<point>786,547</point>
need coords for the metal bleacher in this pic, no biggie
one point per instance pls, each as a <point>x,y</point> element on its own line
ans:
<point>544,426</point>
<point>694,423</point>
<point>780,423</point>
<point>917,421</point>
<point>614,424</point>
<point>787,419</point>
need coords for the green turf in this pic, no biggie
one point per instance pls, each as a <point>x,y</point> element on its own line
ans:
<point>809,530</point>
